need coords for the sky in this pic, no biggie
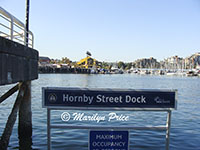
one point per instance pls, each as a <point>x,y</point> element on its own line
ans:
<point>112,30</point>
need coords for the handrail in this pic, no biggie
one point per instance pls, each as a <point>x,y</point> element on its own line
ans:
<point>16,30</point>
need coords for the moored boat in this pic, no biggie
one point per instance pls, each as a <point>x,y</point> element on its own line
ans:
<point>191,73</point>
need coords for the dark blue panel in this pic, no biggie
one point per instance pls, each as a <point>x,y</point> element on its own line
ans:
<point>108,98</point>
<point>109,140</point>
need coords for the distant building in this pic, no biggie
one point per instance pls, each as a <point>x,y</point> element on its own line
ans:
<point>146,63</point>
<point>44,60</point>
<point>193,61</point>
<point>174,62</point>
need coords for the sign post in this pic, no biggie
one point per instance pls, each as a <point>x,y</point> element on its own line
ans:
<point>109,99</point>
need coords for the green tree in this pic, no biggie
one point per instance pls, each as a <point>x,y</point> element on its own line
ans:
<point>128,66</point>
<point>65,60</point>
<point>121,64</point>
<point>105,65</point>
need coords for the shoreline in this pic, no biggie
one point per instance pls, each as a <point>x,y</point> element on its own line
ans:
<point>137,71</point>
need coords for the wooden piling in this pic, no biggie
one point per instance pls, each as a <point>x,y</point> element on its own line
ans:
<point>11,120</point>
<point>25,119</point>
<point>9,93</point>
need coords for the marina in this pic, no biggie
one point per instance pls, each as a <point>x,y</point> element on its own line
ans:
<point>138,71</point>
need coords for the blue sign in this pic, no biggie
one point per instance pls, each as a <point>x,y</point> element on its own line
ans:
<point>106,98</point>
<point>109,140</point>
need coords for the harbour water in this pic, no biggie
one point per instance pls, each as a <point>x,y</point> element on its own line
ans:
<point>185,129</point>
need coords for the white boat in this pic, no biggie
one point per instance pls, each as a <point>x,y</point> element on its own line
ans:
<point>171,73</point>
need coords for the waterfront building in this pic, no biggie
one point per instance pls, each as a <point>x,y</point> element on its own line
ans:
<point>193,62</point>
<point>146,63</point>
<point>174,63</point>
<point>44,61</point>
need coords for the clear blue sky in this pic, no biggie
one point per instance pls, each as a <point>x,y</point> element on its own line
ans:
<point>112,30</point>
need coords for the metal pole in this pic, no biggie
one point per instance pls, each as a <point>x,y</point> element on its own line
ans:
<point>11,28</point>
<point>168,125</point>
<point>27,21</point>
<point>49,128</point>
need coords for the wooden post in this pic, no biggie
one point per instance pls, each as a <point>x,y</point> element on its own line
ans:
<point>11,120</point>
<point>25,119</point>
<point>9,93</point>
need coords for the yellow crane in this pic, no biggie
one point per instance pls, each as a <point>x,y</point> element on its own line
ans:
<point>88,62</point>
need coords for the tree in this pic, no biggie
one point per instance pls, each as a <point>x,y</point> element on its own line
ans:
<point>105,65</point>
<point>121,64</point>
<point>128,66</point>
<point>65,60</point>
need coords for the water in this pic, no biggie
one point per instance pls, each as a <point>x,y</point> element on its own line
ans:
<point>185,130</point>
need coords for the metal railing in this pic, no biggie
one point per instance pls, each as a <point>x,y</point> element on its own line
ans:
<point>14,29</point>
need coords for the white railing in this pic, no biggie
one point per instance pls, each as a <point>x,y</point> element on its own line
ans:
<point>14,29</point>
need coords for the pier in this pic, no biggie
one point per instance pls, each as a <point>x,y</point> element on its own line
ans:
<point>18,63</point>
<point>19,66</point>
